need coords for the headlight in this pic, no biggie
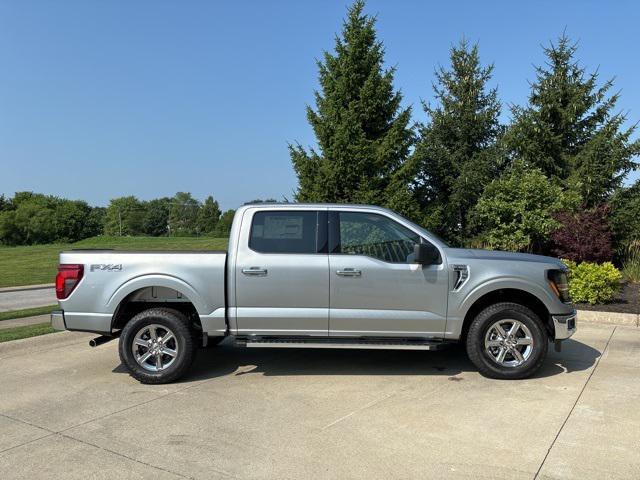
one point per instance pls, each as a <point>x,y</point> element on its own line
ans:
<point>559,283</point>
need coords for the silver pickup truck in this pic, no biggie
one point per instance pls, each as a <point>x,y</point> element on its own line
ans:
<point>318,276</point>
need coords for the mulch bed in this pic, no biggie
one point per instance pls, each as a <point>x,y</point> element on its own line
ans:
<point>627,301</point>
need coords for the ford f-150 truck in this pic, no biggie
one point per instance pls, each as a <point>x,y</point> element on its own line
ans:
<point>318,276</point>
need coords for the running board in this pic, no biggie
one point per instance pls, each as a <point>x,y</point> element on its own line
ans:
<point>341,343</point>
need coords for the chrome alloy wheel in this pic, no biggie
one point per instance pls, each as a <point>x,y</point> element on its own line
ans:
<point>155,347</point>
<point>509,343</point>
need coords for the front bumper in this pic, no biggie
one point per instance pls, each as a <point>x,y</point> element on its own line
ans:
<point>565,325</point>
<point>57,320</point>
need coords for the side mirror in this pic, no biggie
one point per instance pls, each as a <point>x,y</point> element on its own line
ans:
<point>426,254</point>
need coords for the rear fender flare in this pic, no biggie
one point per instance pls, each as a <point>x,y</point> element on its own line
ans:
<point>156,280</point>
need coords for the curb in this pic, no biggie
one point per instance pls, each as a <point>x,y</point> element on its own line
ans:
<point>42,286</point>
<point>609,318</point>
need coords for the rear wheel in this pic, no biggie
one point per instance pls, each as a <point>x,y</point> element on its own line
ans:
<point>157,346</point>
<point>507,341</point>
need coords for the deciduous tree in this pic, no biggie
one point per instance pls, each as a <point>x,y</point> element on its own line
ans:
<point>584,236</point>
<point>516,211</point>
<point>124,216</point>
<point>183,214</point>
<point>625,214</point>
<point>224,224</point>
<point>156,217</point>
<point>208,216</point>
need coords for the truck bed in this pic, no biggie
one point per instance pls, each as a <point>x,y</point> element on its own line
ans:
<point>110,276</point>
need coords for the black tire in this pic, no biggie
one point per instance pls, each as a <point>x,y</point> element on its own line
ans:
<point>485,362</point>
<point>184,342</point>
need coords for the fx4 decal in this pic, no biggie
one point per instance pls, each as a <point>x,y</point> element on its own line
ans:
<point>106,267</point>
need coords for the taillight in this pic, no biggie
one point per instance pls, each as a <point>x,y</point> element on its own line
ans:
<point>68,277</point>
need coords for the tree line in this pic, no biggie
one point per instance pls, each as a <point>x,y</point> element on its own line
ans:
<point>527,185</point>
<point>33,218</point>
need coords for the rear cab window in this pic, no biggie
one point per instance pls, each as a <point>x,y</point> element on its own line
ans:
<point>288,231</point>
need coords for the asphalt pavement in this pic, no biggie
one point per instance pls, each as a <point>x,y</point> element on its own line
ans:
<point>18,298</point>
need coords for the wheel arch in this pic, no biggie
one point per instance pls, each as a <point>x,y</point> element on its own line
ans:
<point>514,295</point>
<point>157,281</point>
<point>152,291</point>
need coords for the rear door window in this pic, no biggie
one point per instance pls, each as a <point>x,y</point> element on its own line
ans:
<point>286,232</point>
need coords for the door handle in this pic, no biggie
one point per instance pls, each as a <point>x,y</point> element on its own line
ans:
<point>255,271</point>
<point>349,272</point>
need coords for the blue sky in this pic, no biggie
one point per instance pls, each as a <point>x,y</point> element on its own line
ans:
<point>100,99</point>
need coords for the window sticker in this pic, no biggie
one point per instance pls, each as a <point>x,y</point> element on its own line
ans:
<point>282,227</point>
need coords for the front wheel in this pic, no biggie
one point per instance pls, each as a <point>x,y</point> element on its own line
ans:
<point>507,341</point>
<point>157,346</point>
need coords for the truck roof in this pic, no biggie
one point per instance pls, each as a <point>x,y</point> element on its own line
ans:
<point>311,205</point>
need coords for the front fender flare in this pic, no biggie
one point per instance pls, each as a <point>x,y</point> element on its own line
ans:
<point>461,308</point>
<point>512,283</point>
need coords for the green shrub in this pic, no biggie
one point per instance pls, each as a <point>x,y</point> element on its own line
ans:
<point>516,210</point>
<point>631,262</point>
<point>592,282</point>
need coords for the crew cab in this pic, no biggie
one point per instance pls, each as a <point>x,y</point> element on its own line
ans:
<point>318,276</point>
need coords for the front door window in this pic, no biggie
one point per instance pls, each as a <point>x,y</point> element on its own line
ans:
<point>375,236</point>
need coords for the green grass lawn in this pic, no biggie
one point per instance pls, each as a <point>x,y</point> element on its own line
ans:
<point>154,243</point>
<point>38,263</point>
<point>17,333</point>
<point>29,265</point>
<point>27,312</point>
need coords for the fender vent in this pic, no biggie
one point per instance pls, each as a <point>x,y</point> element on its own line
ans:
<point>462,272</point>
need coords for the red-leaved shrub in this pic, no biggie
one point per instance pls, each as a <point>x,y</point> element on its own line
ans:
<point>584,236</point>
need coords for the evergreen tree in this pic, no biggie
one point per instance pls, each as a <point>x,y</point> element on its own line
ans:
<point>363,133</point>
<point>569,129</point>
<point>457,154</point>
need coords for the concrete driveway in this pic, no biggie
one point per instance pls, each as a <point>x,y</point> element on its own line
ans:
<point>69,411</point>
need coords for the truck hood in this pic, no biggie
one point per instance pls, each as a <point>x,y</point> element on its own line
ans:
<point>469,253</point>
